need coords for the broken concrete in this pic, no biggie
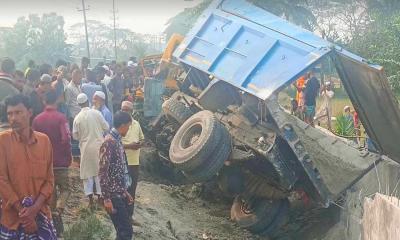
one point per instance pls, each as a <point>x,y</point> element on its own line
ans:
<point>384,179</point>
<point>381,220</point>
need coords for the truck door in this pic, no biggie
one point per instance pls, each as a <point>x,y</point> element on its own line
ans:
<point>376,105</point>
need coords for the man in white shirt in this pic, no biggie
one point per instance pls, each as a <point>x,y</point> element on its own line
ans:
<point>88,128</point>
<point>71,93</point>
<point>325,110</point>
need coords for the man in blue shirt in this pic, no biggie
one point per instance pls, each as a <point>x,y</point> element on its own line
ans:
<point>98,101</point>
<point>91,86</point>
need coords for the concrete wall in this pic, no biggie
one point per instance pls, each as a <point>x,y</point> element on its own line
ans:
<point>350,226</point>
<point>381,220</point>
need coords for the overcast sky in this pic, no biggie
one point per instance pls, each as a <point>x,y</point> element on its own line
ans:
<point>143,16</point>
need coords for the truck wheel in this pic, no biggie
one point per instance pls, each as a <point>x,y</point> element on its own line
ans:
<point>208,168</point>
<point>258,215</point>
<point>195,141</point>
<point>231,181</point>
<point>280,220</point>
<point>176,110</point>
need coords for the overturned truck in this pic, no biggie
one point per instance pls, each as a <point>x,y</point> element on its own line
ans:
<point>224,121</point>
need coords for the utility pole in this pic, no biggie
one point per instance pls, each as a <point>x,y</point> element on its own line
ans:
<point>83,10</point>
<point>115,32</point>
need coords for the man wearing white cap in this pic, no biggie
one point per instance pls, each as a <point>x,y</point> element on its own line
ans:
<point>132,141</point>
<point>325,110</point>
<point>88,128</point>
<point>106,80</point>
<point>99,103</point>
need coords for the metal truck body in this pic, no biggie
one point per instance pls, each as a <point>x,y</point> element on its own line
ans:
<point>237,58</point>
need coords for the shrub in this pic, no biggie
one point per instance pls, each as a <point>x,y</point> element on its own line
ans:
<point>88,228</point>
<point>344,126</point>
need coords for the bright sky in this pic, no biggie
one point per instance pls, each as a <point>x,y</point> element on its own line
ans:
<point>143,16</point>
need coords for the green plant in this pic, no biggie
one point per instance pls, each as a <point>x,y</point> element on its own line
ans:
<point>88,228</point>
<point>344,126</point>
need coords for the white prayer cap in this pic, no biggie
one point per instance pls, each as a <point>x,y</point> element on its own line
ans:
<point>82,98</point>
<point>106,68</point>
<point>127,104</point>
<point>100,94</point>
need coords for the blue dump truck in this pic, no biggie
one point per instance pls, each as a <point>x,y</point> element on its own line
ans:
<point>224,120</point>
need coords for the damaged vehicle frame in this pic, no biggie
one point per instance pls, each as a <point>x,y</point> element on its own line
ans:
<point>225,121</point>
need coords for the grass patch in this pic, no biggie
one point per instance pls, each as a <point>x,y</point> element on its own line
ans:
<point>89,227</point>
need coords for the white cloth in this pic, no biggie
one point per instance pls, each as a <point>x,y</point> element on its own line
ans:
<point>100,94</point>
<point>88,186</point>
<point>71,93</point>
<point>107,81</point>
<point>88,128</point>
<point>326,104</point>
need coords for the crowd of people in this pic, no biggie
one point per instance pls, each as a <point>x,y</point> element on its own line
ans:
<point>53,114</point>
<point>304,105</point>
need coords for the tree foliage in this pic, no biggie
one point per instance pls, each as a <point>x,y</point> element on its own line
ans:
<point>293,10</point>
<point>344,126</point>
<point>185,20</point>
<point>380,43</point>
<point>41,38</point>
<point>101,41</point>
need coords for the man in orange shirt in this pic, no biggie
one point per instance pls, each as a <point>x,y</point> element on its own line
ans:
<point>26,176</point>
<point>299,85</point>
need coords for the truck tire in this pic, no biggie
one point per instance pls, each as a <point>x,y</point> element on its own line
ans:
<point>176,110</point>
<point>208,168</point>
<point>195,141</point>
<point>280,220</point>
<point>261,217</point>
<point>231,181</point>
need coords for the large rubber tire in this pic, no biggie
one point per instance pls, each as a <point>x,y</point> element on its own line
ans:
<point>195,141</point>
<point>280,220</point>
<point>211,166</point>
<point>262,217</point>
<point>176,110</point>
<point>231,180</point>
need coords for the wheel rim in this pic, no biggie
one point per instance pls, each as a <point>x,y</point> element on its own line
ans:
<point>191,136</point>
<point>246,207</point>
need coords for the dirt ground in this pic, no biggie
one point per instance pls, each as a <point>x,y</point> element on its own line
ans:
<point>168,209</point>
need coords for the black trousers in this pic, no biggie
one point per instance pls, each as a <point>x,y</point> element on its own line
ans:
<point>121,219</point>
<point>134,173</point>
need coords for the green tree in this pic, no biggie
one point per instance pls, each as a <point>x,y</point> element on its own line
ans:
<point>185,20</point>
<point>295,11</point>
<point>387,6</point>
<point>39,38</point>
<point>101,42</point>
<point>380,43</point>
